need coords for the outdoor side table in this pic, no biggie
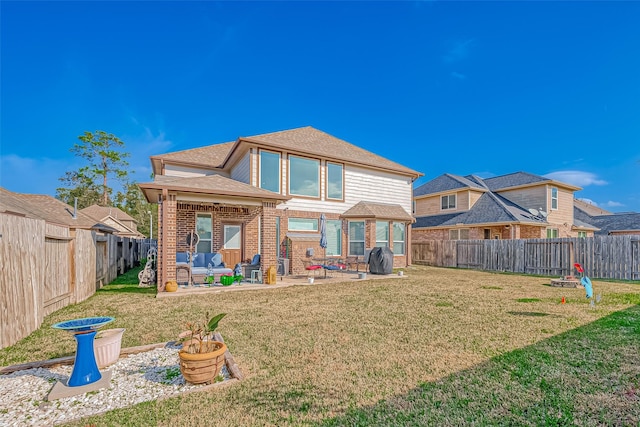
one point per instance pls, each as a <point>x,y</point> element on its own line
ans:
<point>256,276</point>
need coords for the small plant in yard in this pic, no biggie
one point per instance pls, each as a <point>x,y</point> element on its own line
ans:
<point>171,374</point>
<point>199,336</point>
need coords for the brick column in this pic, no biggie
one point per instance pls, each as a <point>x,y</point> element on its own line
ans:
<point>409,248</point>
<point>167,240</point>
<point>269,249</point>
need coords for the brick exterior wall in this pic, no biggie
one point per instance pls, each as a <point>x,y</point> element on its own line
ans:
<point>298,246</point>
<point>177,219</point>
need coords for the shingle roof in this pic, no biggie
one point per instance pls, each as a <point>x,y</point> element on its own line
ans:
<point>515,179</point>
<point>305,140</point>
<point>102,212</point>
<point>624,221</point>
<point>490,208</point>
<point>210,184</point>
<point>377,210</point>
<point>446,182</point>
<point>209,156</point>
<point>49,209</point>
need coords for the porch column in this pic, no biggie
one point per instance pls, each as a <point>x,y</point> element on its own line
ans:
<point>167,240</point>
<point>268,240</point>
<point>409,247</point>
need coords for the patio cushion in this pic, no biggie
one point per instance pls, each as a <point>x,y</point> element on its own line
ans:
<point>256,260</point>
<point>182,258</point>
<point>216,260</point>
<point>203,259</point>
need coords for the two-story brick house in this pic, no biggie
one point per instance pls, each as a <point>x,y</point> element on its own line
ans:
<point>265,195</point>
<point>513,206</point>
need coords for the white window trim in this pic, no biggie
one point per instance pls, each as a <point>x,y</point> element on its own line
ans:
<point>290,177</point>
<point>404,241</point>
<point>364,238</point>
<point>279,168</point>
<point>554,198</point>
<point>449,207</point>
<point>311,220</point>
<point>386,242</point>
<point>327,181</point>
<point>200,239</point>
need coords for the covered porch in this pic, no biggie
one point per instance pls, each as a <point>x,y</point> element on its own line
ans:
<point>229,218</point>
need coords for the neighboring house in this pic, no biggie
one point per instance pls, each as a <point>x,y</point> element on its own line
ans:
<point>50,209</point>
<point>514,206</point>
<point>608,223</point>
<point>126,225</point>
<point>266,193</point>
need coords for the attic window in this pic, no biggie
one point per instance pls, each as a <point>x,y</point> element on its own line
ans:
<point>448,202</point>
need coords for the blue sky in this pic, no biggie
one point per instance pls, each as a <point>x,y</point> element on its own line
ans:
<point>550,88</point>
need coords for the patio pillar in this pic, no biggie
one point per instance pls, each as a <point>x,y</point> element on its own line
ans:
<point>409,247</point>
<point>268,238</point>
<point>167,240</point>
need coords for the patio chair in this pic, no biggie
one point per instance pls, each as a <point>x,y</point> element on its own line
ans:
<point>311,267</point>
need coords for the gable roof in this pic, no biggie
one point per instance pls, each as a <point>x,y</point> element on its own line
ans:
<point>102,212</point>
<point>49,209</point>
<point>215,185</point>
<point>304,140</point>
<point>377,210</point>
<point>447,182</point>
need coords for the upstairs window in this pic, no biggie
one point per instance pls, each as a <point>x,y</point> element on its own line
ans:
<point>334,181</point>
<point>448,202</point>
<point>554,198</point>
<point>304,177</point>
<point>270,171</point>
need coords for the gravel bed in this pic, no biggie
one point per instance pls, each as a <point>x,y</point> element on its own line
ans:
<point>136,378</point>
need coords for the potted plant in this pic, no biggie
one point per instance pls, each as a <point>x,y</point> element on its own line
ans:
<point>201,356</point>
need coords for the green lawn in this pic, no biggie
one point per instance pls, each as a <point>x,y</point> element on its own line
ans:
<point>439,347</point>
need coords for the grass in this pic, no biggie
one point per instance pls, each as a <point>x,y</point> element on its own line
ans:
<point>439,347</point>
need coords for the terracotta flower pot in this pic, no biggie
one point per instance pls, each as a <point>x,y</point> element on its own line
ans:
<point>198,368</point>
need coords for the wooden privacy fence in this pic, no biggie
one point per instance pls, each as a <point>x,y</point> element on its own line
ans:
<point>605,257</point>
<point>45,267</point>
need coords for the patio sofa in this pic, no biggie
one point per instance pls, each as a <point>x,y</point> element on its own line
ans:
<point>200,265</point>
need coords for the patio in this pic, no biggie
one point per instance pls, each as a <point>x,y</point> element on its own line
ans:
<point>346,277</point>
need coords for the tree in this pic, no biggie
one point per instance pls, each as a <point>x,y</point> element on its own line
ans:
<point>133,202</point>
<point>101,151</point>
<point>82,188</point>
